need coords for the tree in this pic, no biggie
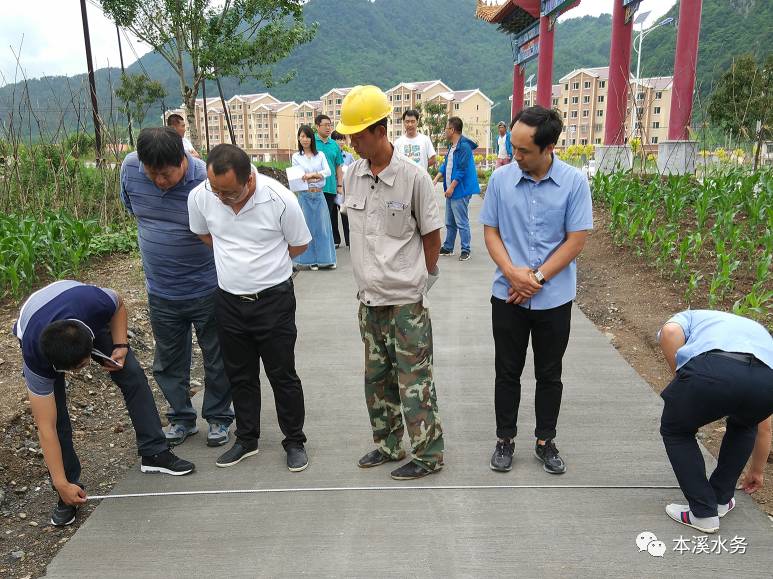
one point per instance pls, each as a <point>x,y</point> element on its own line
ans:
<point>434,117</point>
<point>138,92</point>
<point>203,39</point>
<point>744,96</point>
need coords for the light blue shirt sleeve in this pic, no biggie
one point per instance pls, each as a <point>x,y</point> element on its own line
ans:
<point>489,213</point>
<point>684,321</point>
<point>579,213</point>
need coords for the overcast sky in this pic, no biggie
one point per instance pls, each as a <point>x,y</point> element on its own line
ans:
<point>48,35</point>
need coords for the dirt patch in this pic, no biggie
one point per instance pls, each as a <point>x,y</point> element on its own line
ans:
<point>628,299</point>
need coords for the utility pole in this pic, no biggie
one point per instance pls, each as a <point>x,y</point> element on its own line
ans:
<point>92,85</point>
<point>123,73</point>
<point>206,117</point>
<point>225,110</point>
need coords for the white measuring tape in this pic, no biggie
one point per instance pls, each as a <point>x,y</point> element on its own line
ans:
<point>380,488</point>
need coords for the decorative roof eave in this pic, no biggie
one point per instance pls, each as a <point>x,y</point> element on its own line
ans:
<point>513,16</point>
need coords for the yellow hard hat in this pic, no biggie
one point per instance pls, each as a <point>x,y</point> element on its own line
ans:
<point>363,106</point>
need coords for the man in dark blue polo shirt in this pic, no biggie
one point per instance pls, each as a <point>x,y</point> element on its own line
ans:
<point>61,328</point>
<point>181,280</point>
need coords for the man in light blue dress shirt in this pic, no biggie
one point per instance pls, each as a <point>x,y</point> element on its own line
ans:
<point>722,365</point>
<point>536,216</point>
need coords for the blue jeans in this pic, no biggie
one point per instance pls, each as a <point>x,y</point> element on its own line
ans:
<point>171,321</point>
<point>457,218</point>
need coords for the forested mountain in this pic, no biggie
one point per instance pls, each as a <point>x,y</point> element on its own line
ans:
<point>387,41</point>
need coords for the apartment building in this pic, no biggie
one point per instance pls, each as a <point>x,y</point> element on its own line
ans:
<point>305,113</point>
<point>410,95</point>
<point>474,108</point>
<point>331,103</point>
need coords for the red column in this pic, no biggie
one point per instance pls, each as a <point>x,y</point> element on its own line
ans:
<point>685,62</point>
<point>619,73</point>
<point>519,81</point>
<point>545,63</point>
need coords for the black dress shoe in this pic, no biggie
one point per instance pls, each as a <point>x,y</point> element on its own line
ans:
<point>375,458</point>
<point>411,471</point>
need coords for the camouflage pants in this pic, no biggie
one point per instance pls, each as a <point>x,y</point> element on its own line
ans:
<point>398,375</point>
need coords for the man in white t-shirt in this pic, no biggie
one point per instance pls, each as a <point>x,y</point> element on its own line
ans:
<point>177,122</point>
<point>413,144</point>
<point>255,226</point>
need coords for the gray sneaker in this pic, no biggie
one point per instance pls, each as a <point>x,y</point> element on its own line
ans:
<point>217,435</point>
<point>502,459</point>
<point>177,433</point>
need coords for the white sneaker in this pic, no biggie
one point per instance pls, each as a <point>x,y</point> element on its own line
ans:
<point>681,514</point>
<point>722,510</point>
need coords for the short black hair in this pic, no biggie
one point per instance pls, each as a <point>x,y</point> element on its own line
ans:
<point>380,123</point>
<point>412,113</point>
<point>548,122</point>
<point>456,124</point>
<point>173,119</point>
<point>159,147</point>
<point>222,158</point>
<point>66,343</point>
<point>319,118</point>
<point>309,132</point>
<point>336,136</point>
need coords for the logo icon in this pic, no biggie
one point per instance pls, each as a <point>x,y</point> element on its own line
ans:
<point>647,541</point>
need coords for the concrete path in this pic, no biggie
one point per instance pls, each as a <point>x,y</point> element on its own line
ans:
<point>372,526</point>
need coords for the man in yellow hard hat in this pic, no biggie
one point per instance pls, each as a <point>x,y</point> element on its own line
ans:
<point>394,226</point>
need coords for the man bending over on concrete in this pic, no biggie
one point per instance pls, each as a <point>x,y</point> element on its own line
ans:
<point>722,365</point>
<point>61,328</point>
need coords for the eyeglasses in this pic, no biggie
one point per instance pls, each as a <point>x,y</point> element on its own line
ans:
<point>225,195</point>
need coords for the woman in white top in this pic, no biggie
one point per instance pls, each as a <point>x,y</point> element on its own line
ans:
<point>321,250</point>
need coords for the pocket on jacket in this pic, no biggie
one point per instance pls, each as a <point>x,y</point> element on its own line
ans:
<point>397,220</point>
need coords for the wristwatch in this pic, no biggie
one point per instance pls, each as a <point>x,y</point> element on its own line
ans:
<point>538,276</point>
<point>120,346</point>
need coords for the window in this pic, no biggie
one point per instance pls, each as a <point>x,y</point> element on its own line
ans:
<point>639,96</point>
<point>639,111</point>
<point>555,102</point>
<point>563,142</point>
<point>338,101</point>
<point>418,97</point>
<point>586,84</point>
<point>566,101</point>
<point>575,100</point>
<point>598,127</point>
<point>585,100</point>
<point>575,85</point>
<point>456,106</point>
<point>600,113</point>
<point>656,111</point>
<point>656,125</point>
<point>583,141</point>
<point>601,98</point>
<point>564,114</point>
<point>659,94</point>
<point>574,141</point>
<point>638,125</point>
<point>585,114</point>
<point>390,97</point>
<point>602,84</point>
<point>566,86</point>
<point>583,129</point>
<point>597,141</point>
<point>397,97</point>
<point>574,114</point>
<point>477,107</point>
<point>654,140</point>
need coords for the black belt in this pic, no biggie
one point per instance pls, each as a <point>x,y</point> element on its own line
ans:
<point>279,288</point>
<point>738,356</point>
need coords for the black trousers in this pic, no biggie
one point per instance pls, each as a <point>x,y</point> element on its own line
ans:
<point>549,331</point>
<point>334,212</point>
<point>251,331</point>
<point>707,388</point>
<point>139,402</point>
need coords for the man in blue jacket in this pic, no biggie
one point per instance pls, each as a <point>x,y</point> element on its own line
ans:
<point>460,182</point>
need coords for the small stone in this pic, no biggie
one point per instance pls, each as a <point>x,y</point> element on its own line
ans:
<point>20,490</point>
<point>119,428</point>
<point>92,393</point>
<point>16,555</point>
<point>720,429</point>
<point>22,515</point>
<point>63,540</point>
<point>33,523</point>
